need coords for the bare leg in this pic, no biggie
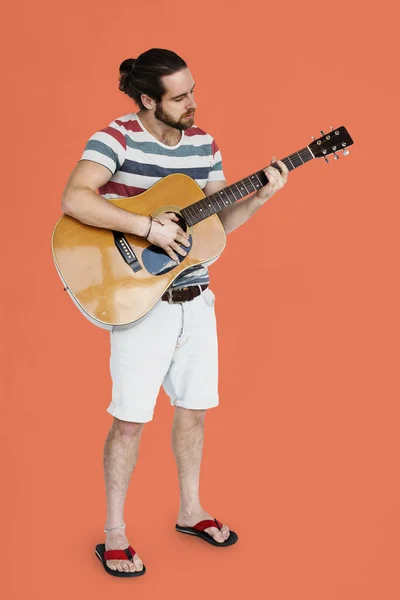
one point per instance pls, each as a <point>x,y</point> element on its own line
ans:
<point>121,451</point>
<point>187,445</point>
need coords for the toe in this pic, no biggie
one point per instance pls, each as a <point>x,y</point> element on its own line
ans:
<point>216,534</point>
<point>225,532</point>
<point>111,565</point>
<point>125,566</point>
<point>138,564</point>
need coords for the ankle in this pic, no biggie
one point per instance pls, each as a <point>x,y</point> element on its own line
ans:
<point>190,510</point>
<point>110,527</point>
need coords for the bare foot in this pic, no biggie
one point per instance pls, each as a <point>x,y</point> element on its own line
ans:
<point>117,540</point>
<point>191,518</point>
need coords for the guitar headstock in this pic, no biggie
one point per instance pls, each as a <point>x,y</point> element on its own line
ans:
<point>331,143</point>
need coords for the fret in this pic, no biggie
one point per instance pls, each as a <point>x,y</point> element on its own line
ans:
<point>249,179</point>
<point>261,176</point>
<point>238,191</point>
<point>193,212</point>
<point>225,191</point>
<point>296,160</point>
<point>306,154</point>
<point>231,194</point>
<point>241,189</point>
<point>187,217</point>
<point>245,186</point>
<point>212,204</point>
<point>255,181</point>
<point>209,207</point>
<point>189,210</point>
<point>290,166</point>
<point>259,181</point>
<point>217,200</point>
<point>202,208</point>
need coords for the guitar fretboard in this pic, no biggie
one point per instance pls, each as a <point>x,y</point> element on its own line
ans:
<point>200,210</point>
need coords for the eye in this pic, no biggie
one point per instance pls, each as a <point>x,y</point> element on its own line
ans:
<point>178,99</point>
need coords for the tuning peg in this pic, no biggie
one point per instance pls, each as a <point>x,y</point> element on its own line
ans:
<point>346,152</point>
<point>313,138</point>
<point>335,156</point>
<point>322,132</point>
<point>326,159</point>
<point>331,128</point>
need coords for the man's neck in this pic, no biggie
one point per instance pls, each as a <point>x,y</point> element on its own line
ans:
<point>164,133</point>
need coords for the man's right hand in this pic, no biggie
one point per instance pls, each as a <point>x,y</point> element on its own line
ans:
<point>168,235</point>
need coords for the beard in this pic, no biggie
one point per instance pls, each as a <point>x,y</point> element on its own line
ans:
<point>181,124</point>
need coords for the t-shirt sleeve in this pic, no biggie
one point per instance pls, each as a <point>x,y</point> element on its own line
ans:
<point>106,147</point>
<point>216,172</point>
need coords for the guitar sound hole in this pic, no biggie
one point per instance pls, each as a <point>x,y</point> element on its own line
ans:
<point>182,223</point>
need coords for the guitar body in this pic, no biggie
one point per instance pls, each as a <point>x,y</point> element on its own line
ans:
<point>102,284</point>
<point>115,279</point>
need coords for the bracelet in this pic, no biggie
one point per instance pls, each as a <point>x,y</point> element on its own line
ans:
<point>113,528</point>
<point>151,223</point>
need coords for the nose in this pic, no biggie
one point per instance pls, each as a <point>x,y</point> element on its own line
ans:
<point>191,104</point>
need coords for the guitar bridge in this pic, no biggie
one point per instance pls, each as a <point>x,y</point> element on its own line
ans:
<point>126,251</point>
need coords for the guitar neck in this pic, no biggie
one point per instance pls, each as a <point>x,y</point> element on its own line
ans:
<point>194,213</point>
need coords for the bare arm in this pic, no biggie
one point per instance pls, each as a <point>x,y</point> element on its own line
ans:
<point>236,214</point>
<point>81,201</point>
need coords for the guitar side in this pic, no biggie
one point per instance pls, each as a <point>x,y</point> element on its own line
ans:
<point>101,283</point>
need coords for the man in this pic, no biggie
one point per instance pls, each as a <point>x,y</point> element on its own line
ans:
<point>176,343</point>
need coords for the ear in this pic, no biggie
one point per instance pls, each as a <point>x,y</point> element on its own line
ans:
<point>148,102</point>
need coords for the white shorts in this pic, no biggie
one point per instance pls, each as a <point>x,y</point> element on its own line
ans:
<point>174,345</point>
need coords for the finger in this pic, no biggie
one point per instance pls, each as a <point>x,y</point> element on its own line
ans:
<point>172,216</point>
<point>284,170</point>
<point>275,173</point>
<point>182,240</point>
<point>178,249</point>
<point>272,174</point>
<point>283,166</point>
<point>171,254</point>
<point>183,233</point>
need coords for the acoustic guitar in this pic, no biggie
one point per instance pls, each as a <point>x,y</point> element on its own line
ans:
<point>116,278</point>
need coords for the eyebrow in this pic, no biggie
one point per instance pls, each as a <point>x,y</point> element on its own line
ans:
<point>181,95</point>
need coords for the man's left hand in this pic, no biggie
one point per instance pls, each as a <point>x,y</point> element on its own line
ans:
<point>276,180</point>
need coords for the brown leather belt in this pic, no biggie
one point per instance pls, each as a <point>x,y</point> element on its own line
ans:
<point>185,294</point>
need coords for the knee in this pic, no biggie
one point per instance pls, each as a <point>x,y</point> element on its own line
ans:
<point>127,428</point>
<point>189,416</point>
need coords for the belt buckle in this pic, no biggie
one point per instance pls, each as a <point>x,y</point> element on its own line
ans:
<point>169,292</point>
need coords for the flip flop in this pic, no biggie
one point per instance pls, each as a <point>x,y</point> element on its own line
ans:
<point>104,555</point>
<point>198,530</point>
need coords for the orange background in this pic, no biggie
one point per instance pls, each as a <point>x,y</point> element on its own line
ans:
<point>302,456</point>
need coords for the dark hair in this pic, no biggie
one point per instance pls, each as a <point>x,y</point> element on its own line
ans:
<point>144,74</point>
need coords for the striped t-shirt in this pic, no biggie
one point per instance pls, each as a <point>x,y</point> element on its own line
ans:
<point>137,160</point>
